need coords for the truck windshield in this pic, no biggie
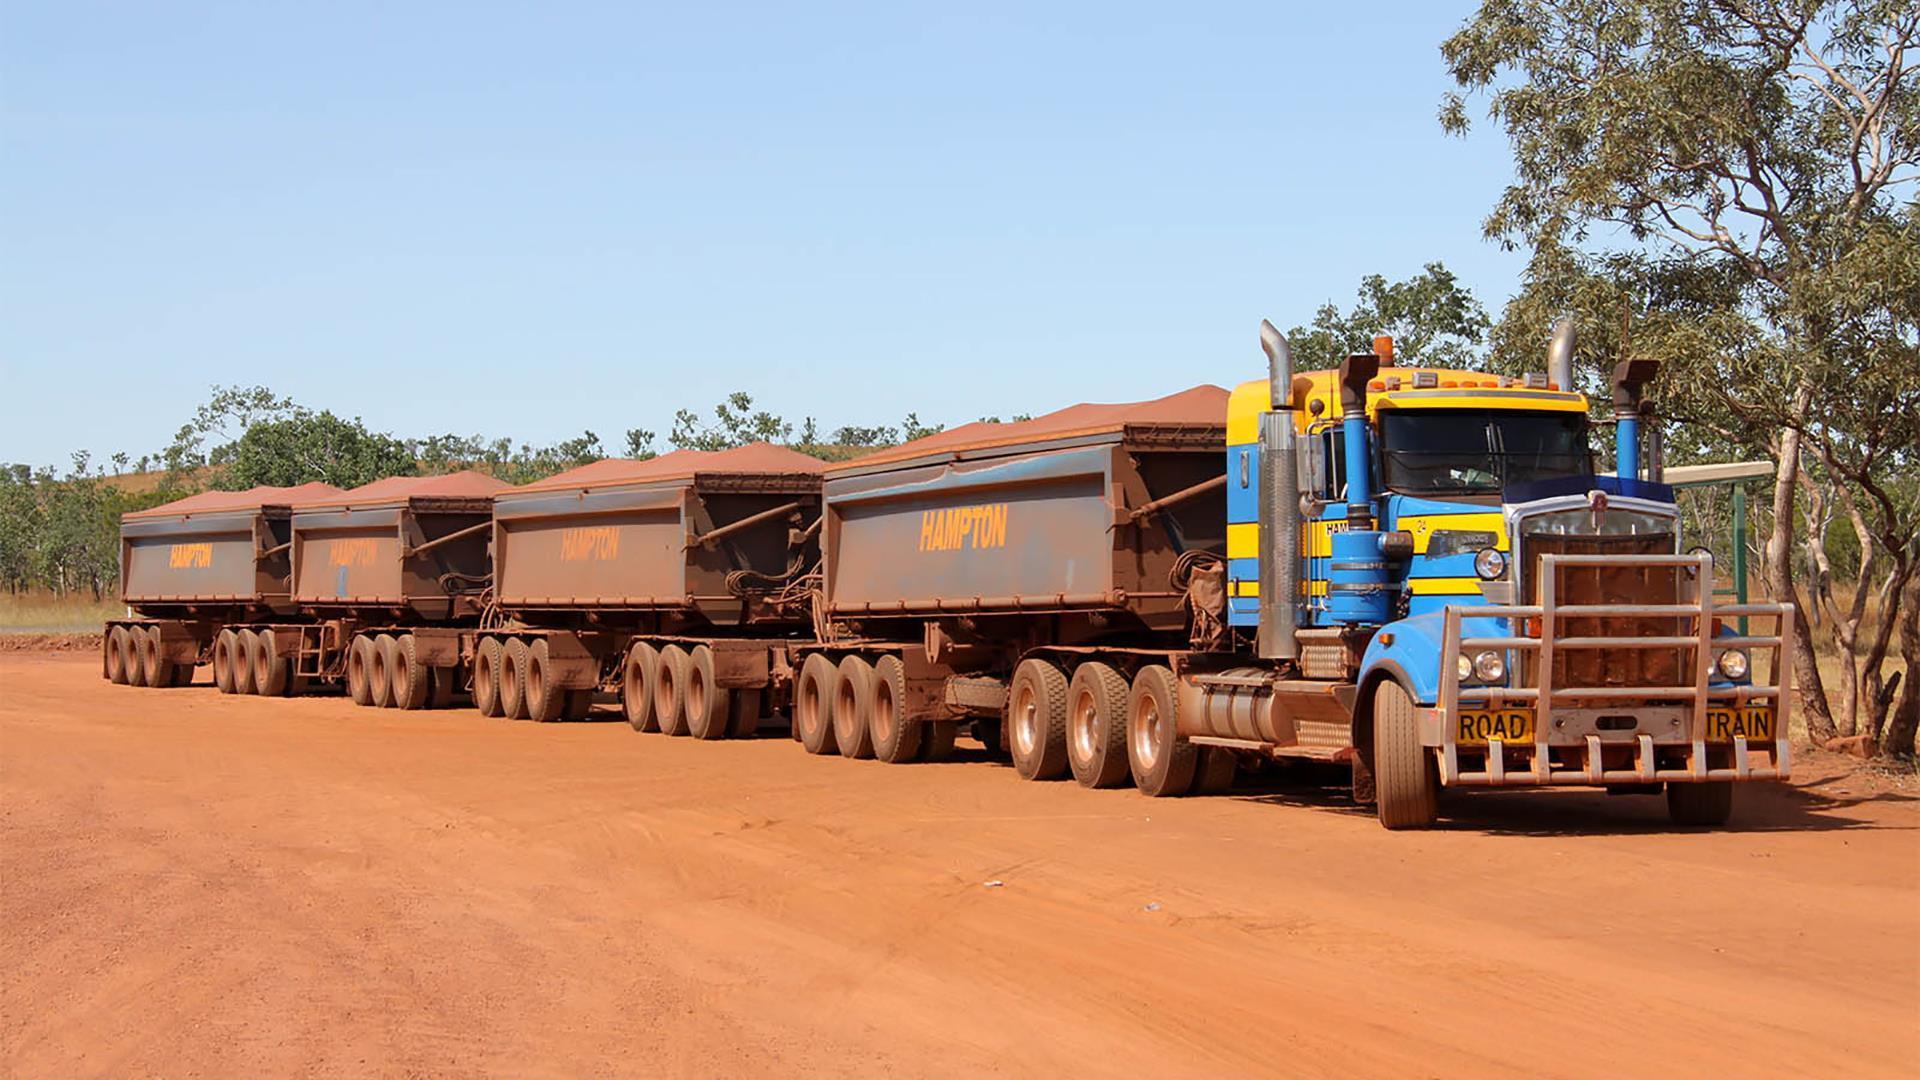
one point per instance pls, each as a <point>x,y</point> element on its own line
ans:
<point>1474,451</point>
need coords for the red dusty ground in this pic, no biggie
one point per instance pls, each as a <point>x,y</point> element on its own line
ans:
<point>206,885</point>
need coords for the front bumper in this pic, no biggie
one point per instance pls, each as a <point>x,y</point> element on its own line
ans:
<point>1613,734</point>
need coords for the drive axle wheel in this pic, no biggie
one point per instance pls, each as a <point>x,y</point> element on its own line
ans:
<point>136,656</point>
<point>707,705</point>
<point>269,670</point>
<point>895,738</point>
<point>636,686</point>
<point>1037,709</point>
<point>1161,761</point>
<point>380,673</point>
<point>813,704</point>
<point>1213,771</point>
<point>118,643</point>
<point>670,690</point>
<point>359,670</point>
<point>1705,803</point>
<point>1097,725</point>
<point>411,680</point>
<point>1406,779</point>
<point>488,660</point>
<point>853,708</point>
<point>545,701</point>
<point>513,679</point>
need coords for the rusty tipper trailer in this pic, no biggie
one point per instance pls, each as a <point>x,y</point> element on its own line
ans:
<point>392,570</point>
<point>1000,569</point>
<point>190,567</point>
<point>677,579</point>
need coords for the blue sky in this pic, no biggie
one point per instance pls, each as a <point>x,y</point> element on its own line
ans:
<point>537,219</point>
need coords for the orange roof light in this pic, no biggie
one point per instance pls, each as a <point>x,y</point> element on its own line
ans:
<point>1383,348</point>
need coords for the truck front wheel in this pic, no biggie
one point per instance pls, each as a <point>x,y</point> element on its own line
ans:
<point>1406,781</point>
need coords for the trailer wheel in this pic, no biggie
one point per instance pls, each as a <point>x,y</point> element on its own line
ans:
<point>223,644</point>
<point>1097,725</point>
<point>136,656</point>
<point>707,705</point>
<point>118,644</point>
<point>636,686</point>
<point>813,704</point>
<point>1037,709</point>
<point>1161,761</point>
<point>743,716</point>
<point>157,669</point>
<point>269,671</point>
<point>1708,802</point>
<point>1213,772</point>
<point>243,661</point>
<point>545,701</point>
<point>579,705</point>
<point>411,679</point>
<point>936,740</point>
<point>895,738</point>
<point>853,707</point>
<point>670,690</point>
<point>513,679</point>
<point>1406,780</point>
<point>359,670</point>
<point>380,671</point>
<point>488,660</point>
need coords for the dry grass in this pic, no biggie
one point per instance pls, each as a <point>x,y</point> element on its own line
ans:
<point>45,613</point>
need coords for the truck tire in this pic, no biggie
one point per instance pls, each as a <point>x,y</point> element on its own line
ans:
<point>1097,725</point>
<point>813,698</point>
<point>545,701</point>
<point>224,644</point>
<point>1406,780</point>
<point>412,680</point>
<point>243,661</point>
<point>936,740</point>
<point>269,670</point>
<point>1162,763</point>
<point>1037,711</point>
<point>636,686</point>
<point>360,670</point>
<point>743,715</point>
<point>513,679</point>
<point>380,671</point>
<point>895,738</point>
<point>1213,773</point>
<point>157,669</point>
<point>136,656</point>
<point>118,641</point>
<point>670,690</point>
<point>488,660</point>
<point>853,708</point>
<point>708,707</point>
<point>1708,802</point>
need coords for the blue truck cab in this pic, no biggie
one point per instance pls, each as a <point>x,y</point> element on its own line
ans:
<point>1492,609</point>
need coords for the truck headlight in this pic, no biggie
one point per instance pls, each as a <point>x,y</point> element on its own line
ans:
<point>1490,667</point>
<point>1490,564</point>
<point>1463,668</point>
<point>1733,664</point>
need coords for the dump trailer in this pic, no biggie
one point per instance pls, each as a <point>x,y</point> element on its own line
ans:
<point>1013,571</point>
<point>680,581</point>
<point>192,566</point>
<point>390,576</point>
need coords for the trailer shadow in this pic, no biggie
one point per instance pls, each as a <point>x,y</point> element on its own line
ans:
<point>1825,804</point>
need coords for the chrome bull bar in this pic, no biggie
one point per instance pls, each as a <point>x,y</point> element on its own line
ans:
<point>1689,704</point>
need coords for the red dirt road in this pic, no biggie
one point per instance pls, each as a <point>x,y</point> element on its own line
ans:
<point>193,884</point>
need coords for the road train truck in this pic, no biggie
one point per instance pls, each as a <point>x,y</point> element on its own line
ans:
<point>1436,551</point>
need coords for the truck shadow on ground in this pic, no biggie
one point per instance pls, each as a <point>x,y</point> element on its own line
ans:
<point>1827,804</point>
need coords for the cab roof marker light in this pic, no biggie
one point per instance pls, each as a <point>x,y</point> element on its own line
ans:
<point>1425,380</point>
<point>1537,381</point>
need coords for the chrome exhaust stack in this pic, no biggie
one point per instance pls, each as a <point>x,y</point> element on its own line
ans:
<point>1560,353</point>
<point>1279,506</point>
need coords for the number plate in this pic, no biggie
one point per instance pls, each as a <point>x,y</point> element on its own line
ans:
<point>1508,725</point>
<point>1753,721</point>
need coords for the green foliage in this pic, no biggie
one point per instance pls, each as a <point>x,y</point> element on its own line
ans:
<point>736,423</point>
<point>305,447</point>
<point>1433,318</point>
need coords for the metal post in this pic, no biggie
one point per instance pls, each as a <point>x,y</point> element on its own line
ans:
<point>1740,548</point>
